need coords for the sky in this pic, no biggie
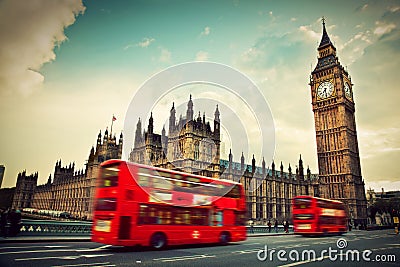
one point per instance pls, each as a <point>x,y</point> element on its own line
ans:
<point>66,67</point>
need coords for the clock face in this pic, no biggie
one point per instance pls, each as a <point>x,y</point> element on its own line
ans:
<point>347,90</point>
<point>325,90</point>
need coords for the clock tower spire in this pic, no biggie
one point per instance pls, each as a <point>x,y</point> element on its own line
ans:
<point>336,135</point>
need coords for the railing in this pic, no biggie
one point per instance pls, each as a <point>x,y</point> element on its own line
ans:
<point>79,228</point>
<point>263,229</point>
<point>58,228</point>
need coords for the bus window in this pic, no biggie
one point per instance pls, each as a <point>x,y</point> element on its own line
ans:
<point>199,217</point>
<point>217,218</point>
<point>144,177</point>
<point>106,204</point>
<point>234,192</point>
<point>159,182</point>
<point>240,218</point>
<point>109,176</point>
<point>302,203</point>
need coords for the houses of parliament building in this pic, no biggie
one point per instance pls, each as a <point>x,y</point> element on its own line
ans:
<point>192,145</point>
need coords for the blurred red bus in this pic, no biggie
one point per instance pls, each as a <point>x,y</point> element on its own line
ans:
<point>142,205</point>
<point>315,216</point>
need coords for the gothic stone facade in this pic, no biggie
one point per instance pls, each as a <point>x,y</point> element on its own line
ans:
<point>71,190</point>
<point>192,146</point>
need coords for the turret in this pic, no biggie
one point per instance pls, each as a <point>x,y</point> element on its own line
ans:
<point>172,119</point>
<point>242,162</point>
<point>301,169</point>
<point>263,167</point>
<point>151,126</point>
<point>189,112</point>
<point>216,122</point>
<point>253,165</point>
<point>138,134</point>
<point>121,139</point>
<point>273,168</point>
<point>99,139</point>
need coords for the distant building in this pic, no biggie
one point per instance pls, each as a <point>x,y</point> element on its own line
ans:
<point>24,190</point>
<point>6,197</point>
<point>373,196</point>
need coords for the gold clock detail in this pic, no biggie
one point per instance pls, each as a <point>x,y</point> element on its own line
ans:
<point>325,90</point>
<point>347,90</point>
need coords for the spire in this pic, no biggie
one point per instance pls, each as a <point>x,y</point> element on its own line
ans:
<point>216,114</point>
<point>242,162</point>
<point>172,119</point>
<point>325,40</point>
<point>263,166</point>
<point>106,135</point>
<point>253,165</point>
<point>150,128</point>
<point>138,134</point>
<point>301,169</point>
<point>189,112</point>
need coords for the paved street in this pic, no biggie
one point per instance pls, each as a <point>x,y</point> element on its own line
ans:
<point>383,244</point>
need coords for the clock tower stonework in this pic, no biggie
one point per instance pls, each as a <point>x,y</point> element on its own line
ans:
<point>336,135</point>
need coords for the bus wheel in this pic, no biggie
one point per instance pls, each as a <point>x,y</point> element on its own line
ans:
<point>224,238</point>
<point>158,241</point>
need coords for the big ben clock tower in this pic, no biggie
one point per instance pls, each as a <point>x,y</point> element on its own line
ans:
<point>336,135</point>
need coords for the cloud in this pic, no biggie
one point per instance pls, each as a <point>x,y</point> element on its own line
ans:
<point>206,31</point>
<point>145,42</point>
<point>380,141</point>
<point>383,28</point>
<point>364,7</point>
<point>309,32</point>
<point>394,9</point>
<point>165,55</point>
<point>30,30</point>
<point>202,56</point>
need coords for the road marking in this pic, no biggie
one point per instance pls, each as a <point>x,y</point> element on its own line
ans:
<point>72,257</point>
<point>94,249</point>
<point>303,262</point>
<point>183,258</point>
<point>87,264</point>
<point>248,251</point>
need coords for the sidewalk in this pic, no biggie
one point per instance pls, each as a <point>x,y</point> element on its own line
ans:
<point>273,233</point>
<point>43,238</point>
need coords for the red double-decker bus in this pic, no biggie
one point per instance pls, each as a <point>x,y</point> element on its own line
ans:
<point>142,205</point>
<point>316,216</point>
